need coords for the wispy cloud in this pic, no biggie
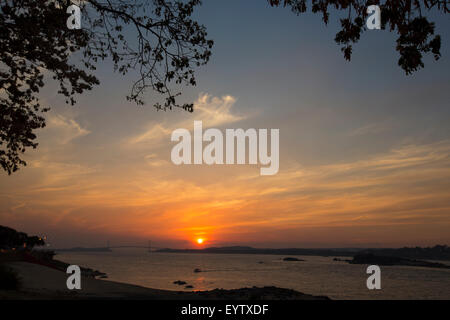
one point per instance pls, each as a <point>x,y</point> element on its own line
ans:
<point>213,111</point>
<point>372,129</point>
<point>405,186</point>
<point>67,129</point>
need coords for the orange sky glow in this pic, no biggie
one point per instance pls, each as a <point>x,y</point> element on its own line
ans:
<point>397,197</point>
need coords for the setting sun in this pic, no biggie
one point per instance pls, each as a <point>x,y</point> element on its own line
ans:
<point>199,240</point>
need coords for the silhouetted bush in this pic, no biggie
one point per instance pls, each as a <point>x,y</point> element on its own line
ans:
<point>10,238</point>
<point>9,280</point>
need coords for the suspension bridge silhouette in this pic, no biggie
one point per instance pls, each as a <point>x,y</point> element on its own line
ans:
<point>149,247</point>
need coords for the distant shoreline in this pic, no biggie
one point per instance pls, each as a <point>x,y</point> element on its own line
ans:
<point>437,252</point>
<point>83,249</point>
<point>268,251</point>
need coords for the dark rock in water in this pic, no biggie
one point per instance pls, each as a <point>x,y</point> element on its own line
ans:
<point>370,258</point>
<point>98,274</point>
<point>196,270</point>
<point>189,287</point>
<point>86,272</point>
<point>256,293</point>
<point>292,259</point>
<point>338,259</point>
<point>260,262</point>
<point>179,282</point>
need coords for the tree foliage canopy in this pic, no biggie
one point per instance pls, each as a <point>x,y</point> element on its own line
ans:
<point>406,17</point>
<point>10,238</point>
<point>158,39</point>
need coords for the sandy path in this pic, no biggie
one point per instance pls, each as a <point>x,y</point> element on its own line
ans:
<point>37,280</point>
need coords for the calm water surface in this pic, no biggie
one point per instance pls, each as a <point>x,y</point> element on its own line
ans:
<point>316,275</point>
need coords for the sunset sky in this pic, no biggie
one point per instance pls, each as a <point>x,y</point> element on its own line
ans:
<point>364,149</point>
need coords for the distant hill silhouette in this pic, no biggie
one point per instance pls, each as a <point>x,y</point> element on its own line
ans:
<point>82,249</point>
<point>438,252</point>
<point>283,251</point>
<point>370,258</point>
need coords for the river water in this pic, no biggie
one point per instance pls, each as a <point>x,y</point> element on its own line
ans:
<point>315,275</point>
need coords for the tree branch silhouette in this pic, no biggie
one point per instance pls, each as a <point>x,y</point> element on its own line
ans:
<point>159,40</point>
<point>405,17</point>
<point>156,38</point>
